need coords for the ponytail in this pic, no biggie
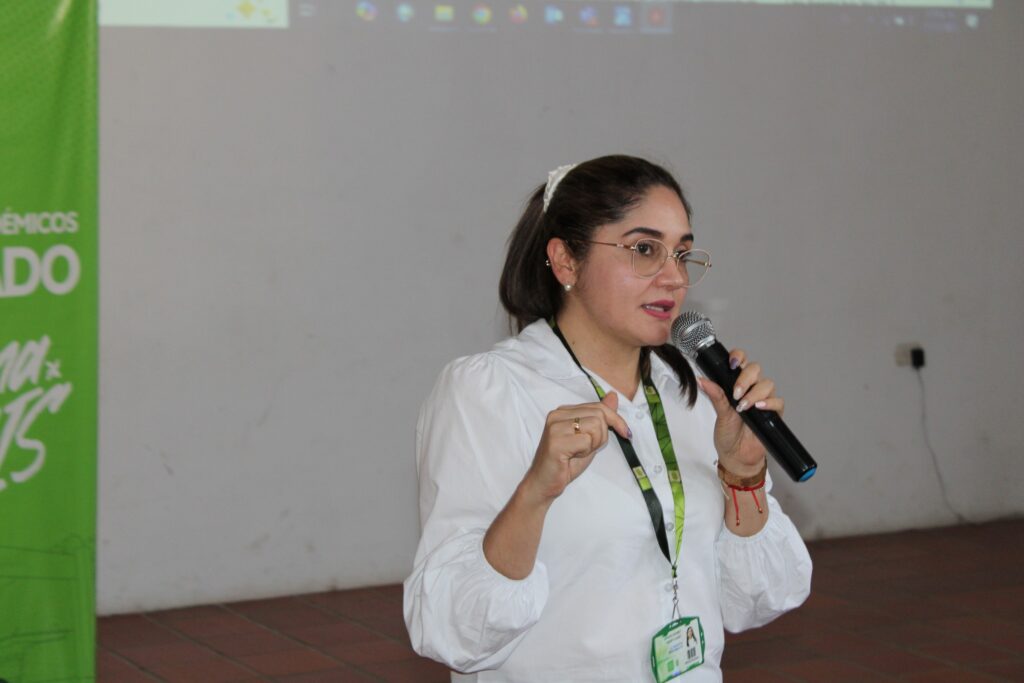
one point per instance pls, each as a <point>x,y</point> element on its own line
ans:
<point>528,289</point>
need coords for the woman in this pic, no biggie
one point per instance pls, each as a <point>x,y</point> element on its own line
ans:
<point>571,473</point>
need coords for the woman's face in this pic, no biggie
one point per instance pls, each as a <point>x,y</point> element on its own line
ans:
<point>623,308</point>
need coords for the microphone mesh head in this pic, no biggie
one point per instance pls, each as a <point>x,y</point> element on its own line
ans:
<point>691,331</point>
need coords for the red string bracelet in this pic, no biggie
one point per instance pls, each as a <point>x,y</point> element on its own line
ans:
<point>752,484</point>
<point>736,503</point>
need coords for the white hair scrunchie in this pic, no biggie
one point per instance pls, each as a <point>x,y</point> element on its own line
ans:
<point>555,177</point>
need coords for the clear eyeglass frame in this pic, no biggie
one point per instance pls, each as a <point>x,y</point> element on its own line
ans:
<point>693,264</point>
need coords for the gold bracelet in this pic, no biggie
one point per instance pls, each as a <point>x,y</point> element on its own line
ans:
<point>734,481</point>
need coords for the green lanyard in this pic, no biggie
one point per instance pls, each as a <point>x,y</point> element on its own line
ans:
<point>667,453</point>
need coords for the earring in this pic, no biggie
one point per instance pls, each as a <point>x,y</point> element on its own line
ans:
<point>567,287</point>
<point>547,262</point>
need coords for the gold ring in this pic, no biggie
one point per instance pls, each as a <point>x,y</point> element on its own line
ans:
<point>576,425</point>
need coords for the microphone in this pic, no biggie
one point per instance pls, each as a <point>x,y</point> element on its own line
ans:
<point>694,336</point>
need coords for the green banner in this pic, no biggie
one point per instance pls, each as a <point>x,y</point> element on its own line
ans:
<point>48,340</point>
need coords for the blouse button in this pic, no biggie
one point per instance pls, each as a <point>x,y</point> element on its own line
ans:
<point>658,469</point>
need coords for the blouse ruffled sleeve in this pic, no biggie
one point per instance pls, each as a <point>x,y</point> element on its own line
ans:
<point>764,575</point>
<point>470,454</point>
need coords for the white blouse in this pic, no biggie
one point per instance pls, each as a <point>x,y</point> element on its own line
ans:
<point>600,588</point>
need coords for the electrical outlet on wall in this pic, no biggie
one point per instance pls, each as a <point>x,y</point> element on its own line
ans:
<point>910,354</point>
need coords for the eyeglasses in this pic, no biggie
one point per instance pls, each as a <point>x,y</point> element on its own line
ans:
<point>649,256</point>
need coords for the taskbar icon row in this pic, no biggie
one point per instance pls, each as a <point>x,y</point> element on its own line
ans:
<point>581,16</point>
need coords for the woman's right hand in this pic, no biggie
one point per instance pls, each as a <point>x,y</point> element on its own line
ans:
<point>565,451</point>
<point>572,436</point>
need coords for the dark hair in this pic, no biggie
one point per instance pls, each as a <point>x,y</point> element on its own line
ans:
<point>592,194</point>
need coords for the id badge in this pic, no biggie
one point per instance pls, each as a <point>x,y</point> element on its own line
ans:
<point>677,648</point>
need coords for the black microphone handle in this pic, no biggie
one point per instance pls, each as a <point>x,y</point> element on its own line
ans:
<point>766,424</point>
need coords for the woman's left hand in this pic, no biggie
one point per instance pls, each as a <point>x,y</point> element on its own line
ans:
<point>739,450</point>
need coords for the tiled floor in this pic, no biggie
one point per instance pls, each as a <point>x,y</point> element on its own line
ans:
<point>937,606</point>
